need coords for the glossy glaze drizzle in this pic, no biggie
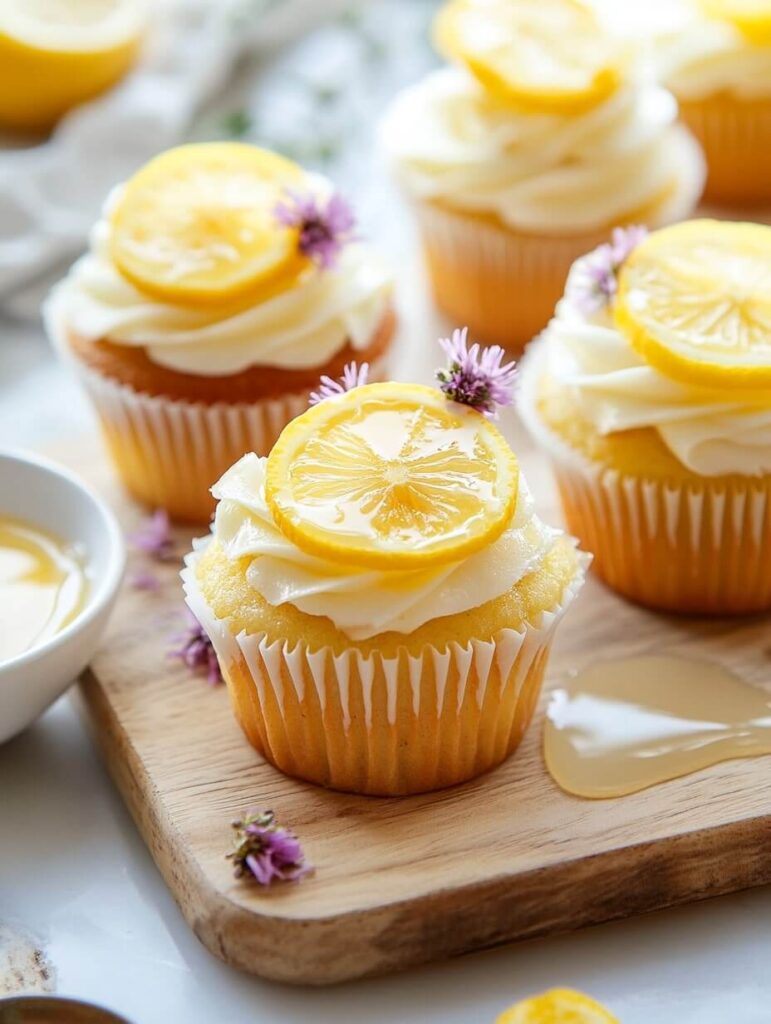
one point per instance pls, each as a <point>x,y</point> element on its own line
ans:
<point>618,727</point>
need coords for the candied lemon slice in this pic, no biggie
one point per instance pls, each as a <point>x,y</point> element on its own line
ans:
<point>55,54</point>
<point>543,55</point>
<point>751,17</point>
<point>558,1006</point>
<point>391,476</point>
<point>695,302</point>
<point>197,226</point>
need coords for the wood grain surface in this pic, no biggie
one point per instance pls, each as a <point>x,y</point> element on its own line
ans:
<point>403,881</point>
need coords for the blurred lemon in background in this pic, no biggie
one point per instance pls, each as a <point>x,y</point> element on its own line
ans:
<point>54,54</point>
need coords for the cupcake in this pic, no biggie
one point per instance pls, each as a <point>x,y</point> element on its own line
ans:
<point>651,391</point>
<point>220,283</point>
<point>717,60</point>
<point>524,154</point>
<point>379,591</point>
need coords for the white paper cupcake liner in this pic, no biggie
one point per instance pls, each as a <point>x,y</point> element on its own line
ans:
<point>352,693</point>
<point>501,283</point>
<point>734,135</point>
<point>539,259</point>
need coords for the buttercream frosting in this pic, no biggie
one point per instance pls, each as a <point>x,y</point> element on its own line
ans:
<point>303,326</point>
<point>709,431</point>
<point>360,602</point>
<point>697,57</point>
<point>450,140</point>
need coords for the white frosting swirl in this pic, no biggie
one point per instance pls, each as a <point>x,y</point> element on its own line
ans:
<point>360,602</point>
<point>709,431</point>
<point>451,140</point>
<point>303,326</point>
<point>699,57</point>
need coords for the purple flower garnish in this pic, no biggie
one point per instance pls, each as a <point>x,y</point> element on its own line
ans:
<point>267,851</point>
<point>594,282</point>
<point>195,649</point>
<point>143,579</point>
<point>474,376</point>
<point>324,228</point>
<point>353,377</point>
<point>154,537</point>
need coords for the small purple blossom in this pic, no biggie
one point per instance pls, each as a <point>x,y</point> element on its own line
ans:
<point>353,377</point>
<point>324,227</point>
<point>594,282</point>
<point>266,851</point>
<point>195,649</point>
<point>154,537</point>
<point>143,579</point>
<point>624,241</point>
<point>474,376</point>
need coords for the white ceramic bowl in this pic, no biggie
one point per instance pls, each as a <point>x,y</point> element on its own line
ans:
<point>52,498</point>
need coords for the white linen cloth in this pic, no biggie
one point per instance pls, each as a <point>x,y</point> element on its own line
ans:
<point>51,193</point>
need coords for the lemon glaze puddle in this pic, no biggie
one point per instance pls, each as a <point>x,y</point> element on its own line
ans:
<point>43,587</point>
<point>618,727</point>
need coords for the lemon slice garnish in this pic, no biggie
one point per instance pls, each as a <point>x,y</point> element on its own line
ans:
<point>751,17</point>
<point>558,1006</point>
<point>391,476</point>
<point>55,54</point>
<point>197,224</point>
<point>546,56</point>
<point>695,302</point>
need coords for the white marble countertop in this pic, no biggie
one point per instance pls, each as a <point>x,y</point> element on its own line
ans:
<point>78,886</point>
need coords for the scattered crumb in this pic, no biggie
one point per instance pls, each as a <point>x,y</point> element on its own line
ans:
<point>24,966</point>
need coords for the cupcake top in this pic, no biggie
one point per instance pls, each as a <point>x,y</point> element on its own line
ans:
<point>221,256</point>
<point>709,47</point>
<point>547,129</point>
<point>388,505</point>
<point>672,332</point>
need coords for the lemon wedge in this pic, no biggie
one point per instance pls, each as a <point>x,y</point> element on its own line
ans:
<point>548,56</point>
<point>55,54</point>
<point>751,17</point>
<point>558,1006</point>
<point>197,226</point>
<point>695,301</point>
<point>391,476</point>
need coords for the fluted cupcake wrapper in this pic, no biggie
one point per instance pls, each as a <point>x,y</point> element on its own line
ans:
<point>383,725</point>
<point>169,452</point>
<point>736,137</point>
<point>704,549</point>
<point>501,283</point>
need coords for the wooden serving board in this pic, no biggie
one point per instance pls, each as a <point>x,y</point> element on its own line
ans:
<point>403,881</point>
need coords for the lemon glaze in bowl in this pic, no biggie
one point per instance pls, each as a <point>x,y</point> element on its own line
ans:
<point>53,499</point>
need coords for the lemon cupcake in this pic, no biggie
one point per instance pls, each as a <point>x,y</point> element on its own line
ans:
<point>525,153</point>
<point>717,60</point>
<point>651,390</point>
<point>379,591</point>
<point>221,281</point>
